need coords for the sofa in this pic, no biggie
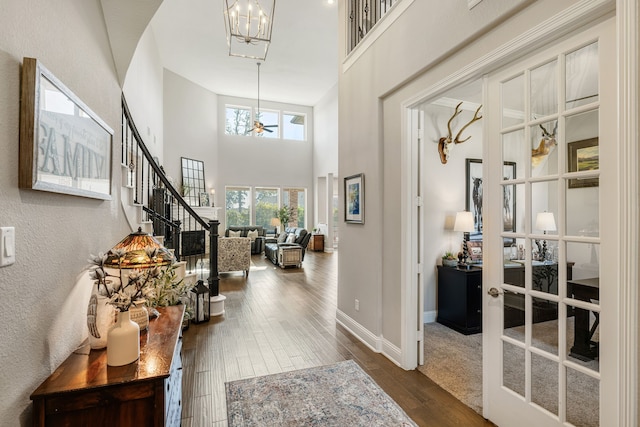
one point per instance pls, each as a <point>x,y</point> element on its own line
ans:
<point>234,254</point>
<point>300,239</point>
<point>257,240</point>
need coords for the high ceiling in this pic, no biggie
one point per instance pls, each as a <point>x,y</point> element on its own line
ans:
<point>301,65</point>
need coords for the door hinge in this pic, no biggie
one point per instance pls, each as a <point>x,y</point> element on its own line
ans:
<point>420,135</point>
<point>418,201</point>
<point>420,268</point>
<point>419,336</point>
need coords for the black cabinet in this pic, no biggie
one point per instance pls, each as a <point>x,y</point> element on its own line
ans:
<point>460,299</point>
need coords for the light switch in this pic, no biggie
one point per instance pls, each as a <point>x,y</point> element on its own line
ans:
<point>7,246</point>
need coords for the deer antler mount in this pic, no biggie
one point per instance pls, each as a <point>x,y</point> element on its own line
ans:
<point>445,142</point>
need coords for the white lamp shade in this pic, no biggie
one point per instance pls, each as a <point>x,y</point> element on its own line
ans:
<point>464,222</point>
<point>545,221</point>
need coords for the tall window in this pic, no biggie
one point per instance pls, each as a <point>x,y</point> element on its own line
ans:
<point>238,206</point>
<point>238,121</point>
<point>296,198</point>
<point>293,126</point>
<point>270,119</point>
<point>266,206</point>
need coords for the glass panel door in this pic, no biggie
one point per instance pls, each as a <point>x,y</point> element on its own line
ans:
<point>547,306</point>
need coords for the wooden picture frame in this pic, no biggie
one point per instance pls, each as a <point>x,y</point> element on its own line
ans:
<point>583,156</point>
<point>354,199</point>
<point>474,249</point>
<point>64,146</point>
<point>204,198</point>
<point>473,198</point>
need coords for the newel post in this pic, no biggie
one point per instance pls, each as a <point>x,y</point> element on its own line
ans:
<point>217,300</point>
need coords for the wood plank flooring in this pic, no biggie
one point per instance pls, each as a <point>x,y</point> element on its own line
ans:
<point>280,320</point>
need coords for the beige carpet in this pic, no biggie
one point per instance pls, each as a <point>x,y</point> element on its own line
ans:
<point>454,361</point>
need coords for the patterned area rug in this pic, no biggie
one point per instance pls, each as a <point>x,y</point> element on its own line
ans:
<point>335,395</point>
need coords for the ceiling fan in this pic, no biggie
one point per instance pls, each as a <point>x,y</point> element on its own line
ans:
<point>258,126</point>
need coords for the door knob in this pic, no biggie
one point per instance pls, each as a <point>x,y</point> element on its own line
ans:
<point>494,292</point>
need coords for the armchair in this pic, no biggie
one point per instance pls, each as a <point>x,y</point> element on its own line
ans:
<point>234,254</point>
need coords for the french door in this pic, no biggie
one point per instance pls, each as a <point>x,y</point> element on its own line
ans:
<point>551,239</point>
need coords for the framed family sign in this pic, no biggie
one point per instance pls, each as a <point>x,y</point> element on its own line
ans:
<point>64,146</point>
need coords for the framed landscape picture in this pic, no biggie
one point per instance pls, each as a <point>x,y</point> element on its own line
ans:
<point>354,199</point>
<point>583,156</point>
<point>474,196</point>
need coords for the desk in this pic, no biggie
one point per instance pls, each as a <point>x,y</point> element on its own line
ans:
<point>583,290</point>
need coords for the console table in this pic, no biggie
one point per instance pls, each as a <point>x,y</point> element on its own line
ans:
<point>148,392</point>
<point>460,299</point>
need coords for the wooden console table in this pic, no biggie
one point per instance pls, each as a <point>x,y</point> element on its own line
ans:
<point>148,392</point>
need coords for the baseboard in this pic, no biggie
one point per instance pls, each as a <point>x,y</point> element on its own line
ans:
<point>357,330</point>
<point>429,316</point>
<point>376,343</point>
<point>392,352</point>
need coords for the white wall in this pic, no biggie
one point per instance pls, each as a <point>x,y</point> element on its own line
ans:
<point>190,129</point>
<point>325,155</point>
<point>255,161</point>
<point>399,65</point>
<point>194,128</point>
<point>143,93</point>
<point>43,315</point>
<point>444,191</point>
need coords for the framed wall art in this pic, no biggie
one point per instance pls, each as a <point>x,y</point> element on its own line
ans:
<point>354,199</point>
<point>204,198</point>
<point>583,156</point>
<point>473,200</point>
<point>64,146</point>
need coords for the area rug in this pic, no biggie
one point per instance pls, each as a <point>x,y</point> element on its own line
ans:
<point>454,362</point>
<point>335,395</point>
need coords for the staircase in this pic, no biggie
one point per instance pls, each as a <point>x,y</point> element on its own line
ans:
<point>151,202</point>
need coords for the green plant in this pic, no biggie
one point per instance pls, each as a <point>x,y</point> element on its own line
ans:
<point>284,214</point>
<point>448,255</point>
<point>168,290</point>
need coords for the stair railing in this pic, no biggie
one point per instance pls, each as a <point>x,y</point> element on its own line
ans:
<point>180,226</point>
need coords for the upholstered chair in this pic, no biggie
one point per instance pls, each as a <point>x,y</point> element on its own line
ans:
<point>234,254</point>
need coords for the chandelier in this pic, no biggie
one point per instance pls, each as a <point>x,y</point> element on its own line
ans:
<point>248,25</point>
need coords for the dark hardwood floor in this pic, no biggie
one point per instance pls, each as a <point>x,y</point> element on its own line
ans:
<point>279,320</point>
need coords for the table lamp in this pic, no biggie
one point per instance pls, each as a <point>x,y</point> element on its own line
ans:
<point>464,222</point>
<point>135,257</point>
<point>275,222</point>
<point>545,222</point>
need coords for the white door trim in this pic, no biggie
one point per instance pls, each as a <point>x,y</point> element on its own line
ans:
<point>572,18</point>
<point>628,32</point>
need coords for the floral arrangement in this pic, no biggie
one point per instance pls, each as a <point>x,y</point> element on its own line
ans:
<point>140,283</point>
<point>170,291</point>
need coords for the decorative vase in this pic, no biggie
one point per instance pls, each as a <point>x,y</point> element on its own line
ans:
<point>450,262</point>
<point>123,341</point>
<point>100,318</point>
<point>140,315</point>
